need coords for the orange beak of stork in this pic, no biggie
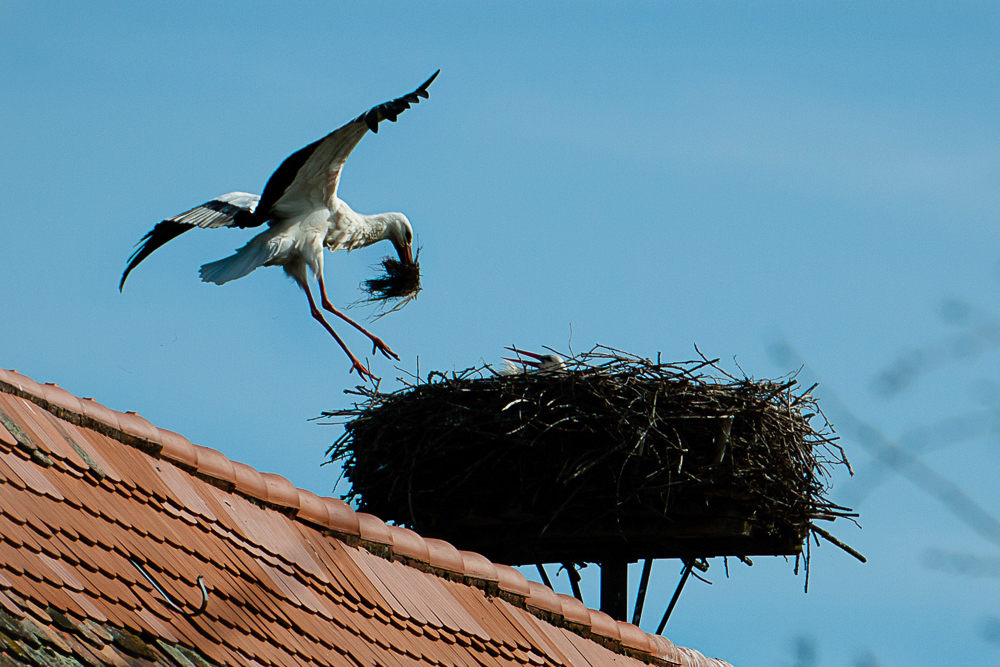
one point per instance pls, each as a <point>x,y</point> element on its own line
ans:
<point>525,362</point>
<point>405,253</point>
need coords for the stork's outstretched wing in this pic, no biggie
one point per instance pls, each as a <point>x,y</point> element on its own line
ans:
<point>312,174</point>
<point>234,209</point>
<point>307,178</point>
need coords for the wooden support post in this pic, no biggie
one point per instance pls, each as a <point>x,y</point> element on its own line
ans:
<point>614,589</point>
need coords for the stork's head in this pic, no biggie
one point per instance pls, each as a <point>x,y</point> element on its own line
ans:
<point>538,362</point>
<point>399,231</point>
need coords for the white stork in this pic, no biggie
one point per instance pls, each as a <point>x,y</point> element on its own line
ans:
<point>538,362</point>
<point>304,214</point>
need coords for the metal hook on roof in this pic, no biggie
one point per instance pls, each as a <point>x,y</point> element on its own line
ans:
<point>166,597</point>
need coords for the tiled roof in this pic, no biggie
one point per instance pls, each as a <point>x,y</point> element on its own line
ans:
<point>294,578</point>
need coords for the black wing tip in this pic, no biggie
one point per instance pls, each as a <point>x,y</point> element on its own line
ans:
<point>159,235</point>
<point>390,110</point>
<point>422,90</point>
<point>132,262</point>
<point>128,270</point>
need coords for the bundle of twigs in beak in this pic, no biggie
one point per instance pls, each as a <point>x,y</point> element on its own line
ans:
<point>399,284</point>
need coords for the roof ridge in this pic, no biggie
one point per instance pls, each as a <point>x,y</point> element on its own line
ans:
<point>276,492</point>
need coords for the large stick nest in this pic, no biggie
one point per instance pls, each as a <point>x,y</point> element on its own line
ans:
<point>611,449</point>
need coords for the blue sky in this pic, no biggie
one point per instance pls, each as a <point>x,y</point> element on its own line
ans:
<point>643,175</point>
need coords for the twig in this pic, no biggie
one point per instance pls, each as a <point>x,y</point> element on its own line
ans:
<point>833,540</point>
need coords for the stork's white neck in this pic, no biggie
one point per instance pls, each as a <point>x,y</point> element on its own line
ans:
<point>350,229</point>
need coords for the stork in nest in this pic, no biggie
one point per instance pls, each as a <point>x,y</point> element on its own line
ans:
<point>539,363</point>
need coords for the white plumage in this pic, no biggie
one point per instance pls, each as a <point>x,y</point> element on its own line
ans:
<point>304,215</point>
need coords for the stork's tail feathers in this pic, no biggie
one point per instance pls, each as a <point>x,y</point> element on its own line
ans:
<point>245,260</point>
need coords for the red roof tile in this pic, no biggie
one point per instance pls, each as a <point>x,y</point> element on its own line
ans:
<point>312,509</point>
<point>341,518</point>
<point>443,556</point>
<point>604,626</point>
<point>574,611</point>
<point>408,544</point>
<point>249,481</point>
<point>280,492</point>
<point>634,638</point>
<point>372,529</point>
<point>178,449</point>
<point>32,476</point>
<point>543,598</point>
<point>12,382</point>
<point>512,581</point>
<point>294,578</point>
<point>216,466</point>
<point>16,412</point>
<point>140,428</point>
<point>99,415</point>
<point>7,439</point>
<point>61,400</point>
<point>63,444</point>
<point>478,567</point>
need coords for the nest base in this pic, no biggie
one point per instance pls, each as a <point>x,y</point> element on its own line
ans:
<point>694,537</point>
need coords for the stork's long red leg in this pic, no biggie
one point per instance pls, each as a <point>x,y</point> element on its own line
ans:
<point>355,364</point>
<point>377,343</point>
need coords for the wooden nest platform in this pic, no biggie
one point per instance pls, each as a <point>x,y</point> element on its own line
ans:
<point>613,457</point>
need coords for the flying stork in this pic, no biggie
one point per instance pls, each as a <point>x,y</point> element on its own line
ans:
<point>304,214</point>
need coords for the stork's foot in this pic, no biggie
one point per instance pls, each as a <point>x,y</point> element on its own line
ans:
<point>378,345</point>
<point>365,374</point>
